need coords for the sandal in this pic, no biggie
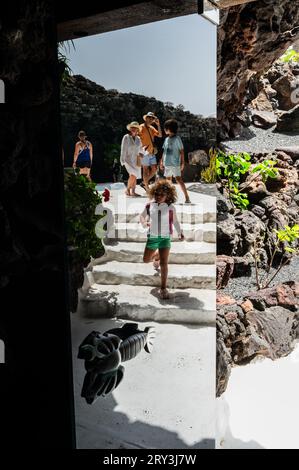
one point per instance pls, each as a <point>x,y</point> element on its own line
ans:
<point>127,193</point>
<point>164,294</point>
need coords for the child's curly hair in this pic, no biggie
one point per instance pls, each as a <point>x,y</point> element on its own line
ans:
<point>164,187</point>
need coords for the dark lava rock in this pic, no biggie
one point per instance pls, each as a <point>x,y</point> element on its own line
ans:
<point>223,204</point>
<point>251,37</point>
<point>243,265</point>
<point>277,326</point>
<point>283,295</point>
<point>264,119</point>
<point>276,211</point>
<point>258,211</point>
<point>288,121</point>
<point>225,268</point>
<point>292,151</point>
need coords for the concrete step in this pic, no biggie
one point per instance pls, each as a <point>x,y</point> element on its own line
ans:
<point>127,209</point>
<point>123,301</point>
<point>186,213</point>
<point>181,253</point>
<point>135,232</point>
<point>140,274</point>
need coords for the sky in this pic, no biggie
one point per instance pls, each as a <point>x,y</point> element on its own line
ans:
<point>171,60</point>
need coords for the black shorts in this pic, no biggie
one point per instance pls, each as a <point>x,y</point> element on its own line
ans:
<point>83,164</point>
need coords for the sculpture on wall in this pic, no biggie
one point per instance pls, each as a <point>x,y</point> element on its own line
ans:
<point>104,353</point>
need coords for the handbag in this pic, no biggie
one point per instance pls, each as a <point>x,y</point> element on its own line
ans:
<point>155,148</point>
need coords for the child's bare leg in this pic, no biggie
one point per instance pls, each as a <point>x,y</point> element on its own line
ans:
<point>180,181</point>
<point>164,254</point>
<point>149,255</point>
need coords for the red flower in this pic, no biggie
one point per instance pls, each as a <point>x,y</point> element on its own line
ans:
<point>106,195</point>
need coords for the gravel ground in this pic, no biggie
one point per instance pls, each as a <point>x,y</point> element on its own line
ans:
<point>256,140</point>
<point>239,286</point>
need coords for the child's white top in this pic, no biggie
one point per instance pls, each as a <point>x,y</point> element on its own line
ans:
<point>161,218</point>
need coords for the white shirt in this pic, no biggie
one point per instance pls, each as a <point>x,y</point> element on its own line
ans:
<point>161,218</point>
<point>130,148</point>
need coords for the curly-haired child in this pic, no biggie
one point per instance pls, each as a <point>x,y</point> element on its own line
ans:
<point>160,217</point>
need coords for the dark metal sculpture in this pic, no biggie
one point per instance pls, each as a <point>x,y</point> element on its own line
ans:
<point>103,354</point>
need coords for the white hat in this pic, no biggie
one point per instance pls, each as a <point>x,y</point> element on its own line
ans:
<point>150,114</point>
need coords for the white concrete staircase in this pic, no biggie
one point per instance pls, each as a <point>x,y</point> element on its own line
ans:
<point>120,285</point>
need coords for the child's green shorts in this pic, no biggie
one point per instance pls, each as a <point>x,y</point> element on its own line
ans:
<point>154,243</point>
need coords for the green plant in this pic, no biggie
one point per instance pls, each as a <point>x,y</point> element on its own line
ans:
<point>64,48</point>
<point>286,241</point>
<point>230,169</point>
<point>239,199</point>
<point>289,56</point>
<point>266,170</point>
<point>81,200</point>
<point>209,174</point>
<point>232,166</point>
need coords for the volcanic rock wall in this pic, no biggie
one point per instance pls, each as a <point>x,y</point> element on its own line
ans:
<point>251,38</point>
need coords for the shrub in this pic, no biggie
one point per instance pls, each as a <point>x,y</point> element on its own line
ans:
<point>289,56</point>
<point>64,61</point>
<point>231,168</point>
<point>81,200</point>
<point>209,174</point>
<point>286,240</point>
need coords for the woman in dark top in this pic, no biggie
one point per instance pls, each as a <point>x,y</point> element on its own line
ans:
<point>83,155</point>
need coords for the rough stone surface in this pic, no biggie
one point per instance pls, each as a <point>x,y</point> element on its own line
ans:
<point>236,234</point>
<point>264,119</point>
<point>293,151</point>
<point>225,268</point>
<point>284,295</point>
<point>278,326</point>
<point>289,121</point>
<point>264,323</point>
<point>251,38</point>
<point>223,299</point>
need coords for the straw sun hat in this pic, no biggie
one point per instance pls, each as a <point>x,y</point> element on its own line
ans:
<point>133,125</point>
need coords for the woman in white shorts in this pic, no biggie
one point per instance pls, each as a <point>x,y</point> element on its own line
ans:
<point>131,149</point>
